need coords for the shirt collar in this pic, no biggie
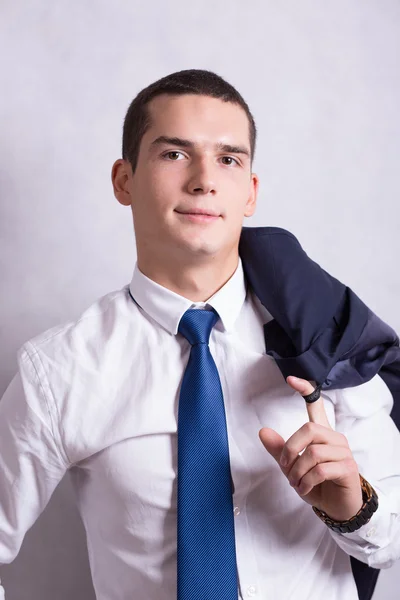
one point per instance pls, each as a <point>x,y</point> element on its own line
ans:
<point>167,308</point>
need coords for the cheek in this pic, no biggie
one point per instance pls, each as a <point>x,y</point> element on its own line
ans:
<point>238,197</point>
<point>161,188</point>
<point>151,198</point>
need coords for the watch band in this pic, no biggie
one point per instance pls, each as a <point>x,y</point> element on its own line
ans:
<point>370,504</point>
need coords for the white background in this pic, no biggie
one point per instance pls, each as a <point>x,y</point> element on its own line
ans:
<point>323,82</point>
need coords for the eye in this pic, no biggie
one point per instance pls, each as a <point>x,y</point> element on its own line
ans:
<point>231,158</point>
<point>172,152</point>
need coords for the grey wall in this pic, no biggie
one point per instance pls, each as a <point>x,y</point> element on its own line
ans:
<point>322,80</point>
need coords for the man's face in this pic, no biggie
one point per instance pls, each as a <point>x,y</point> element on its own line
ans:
<point>174,177</point>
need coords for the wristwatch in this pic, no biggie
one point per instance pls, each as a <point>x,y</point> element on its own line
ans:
<point>370,504</point>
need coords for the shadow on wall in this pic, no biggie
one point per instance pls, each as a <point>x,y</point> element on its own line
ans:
<point>53,561</point>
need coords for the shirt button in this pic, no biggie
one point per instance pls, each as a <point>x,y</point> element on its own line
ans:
<point>251,590</point>
<point>370,532</point>
<point>236,511</point>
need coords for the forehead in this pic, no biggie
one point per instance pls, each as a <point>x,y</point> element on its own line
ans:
<point>196,116</point>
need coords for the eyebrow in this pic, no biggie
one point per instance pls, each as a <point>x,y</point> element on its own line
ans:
<point>175,141</point>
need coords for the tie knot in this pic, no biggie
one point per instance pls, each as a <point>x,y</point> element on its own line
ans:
<point>196,324</point>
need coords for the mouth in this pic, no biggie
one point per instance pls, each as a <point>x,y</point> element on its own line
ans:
<point>199,215</point>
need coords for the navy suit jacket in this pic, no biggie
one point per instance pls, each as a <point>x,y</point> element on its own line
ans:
<point>321,330</point>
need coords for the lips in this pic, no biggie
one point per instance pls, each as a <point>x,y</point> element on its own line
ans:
<point>199,216</point>
<point>199,211</point>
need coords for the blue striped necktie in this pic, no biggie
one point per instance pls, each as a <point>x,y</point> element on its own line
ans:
<point>206,554</point>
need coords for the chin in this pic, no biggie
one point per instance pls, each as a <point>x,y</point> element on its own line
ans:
<point>200,247</point>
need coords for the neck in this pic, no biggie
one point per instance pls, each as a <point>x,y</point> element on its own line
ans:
<point>196,282</point>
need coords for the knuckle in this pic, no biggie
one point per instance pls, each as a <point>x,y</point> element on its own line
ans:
<point>351,465</point>
<point>349,454</point>
<point>289,450</point>
<point>319,470</point>
<point>309,427</point>
<point>313,451</point>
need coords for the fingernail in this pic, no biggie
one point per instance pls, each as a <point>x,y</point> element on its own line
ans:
<point>284,461</point>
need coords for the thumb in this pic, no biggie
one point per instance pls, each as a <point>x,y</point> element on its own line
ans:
<point>272,442</point>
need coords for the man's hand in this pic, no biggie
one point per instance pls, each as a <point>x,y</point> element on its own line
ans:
<point>325,475</point>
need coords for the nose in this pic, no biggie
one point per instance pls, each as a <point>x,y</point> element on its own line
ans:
<point>202,178</point>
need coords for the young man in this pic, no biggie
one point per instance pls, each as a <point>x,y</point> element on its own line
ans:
<point>165,410</point>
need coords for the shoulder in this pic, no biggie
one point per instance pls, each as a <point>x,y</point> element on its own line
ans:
<point>254,232</point>
<point>92,326</point>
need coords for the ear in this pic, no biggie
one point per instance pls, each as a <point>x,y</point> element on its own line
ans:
<point>252,199</point>
<point>121,174</point>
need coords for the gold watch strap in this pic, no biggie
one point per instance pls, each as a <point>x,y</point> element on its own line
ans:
<point>370,505</point>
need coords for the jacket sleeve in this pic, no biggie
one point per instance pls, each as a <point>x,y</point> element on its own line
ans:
<point>363,416</point>
<point>31,460</point>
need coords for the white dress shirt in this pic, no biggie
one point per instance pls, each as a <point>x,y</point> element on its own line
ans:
<point>98,397</point>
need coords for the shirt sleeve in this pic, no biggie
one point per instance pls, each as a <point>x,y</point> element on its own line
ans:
<point>31,461</point>
<point>363,416</point>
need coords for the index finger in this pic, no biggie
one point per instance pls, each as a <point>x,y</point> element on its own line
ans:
<point>315,410</point>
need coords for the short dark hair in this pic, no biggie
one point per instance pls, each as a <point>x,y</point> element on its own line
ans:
<point>190,81</point>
